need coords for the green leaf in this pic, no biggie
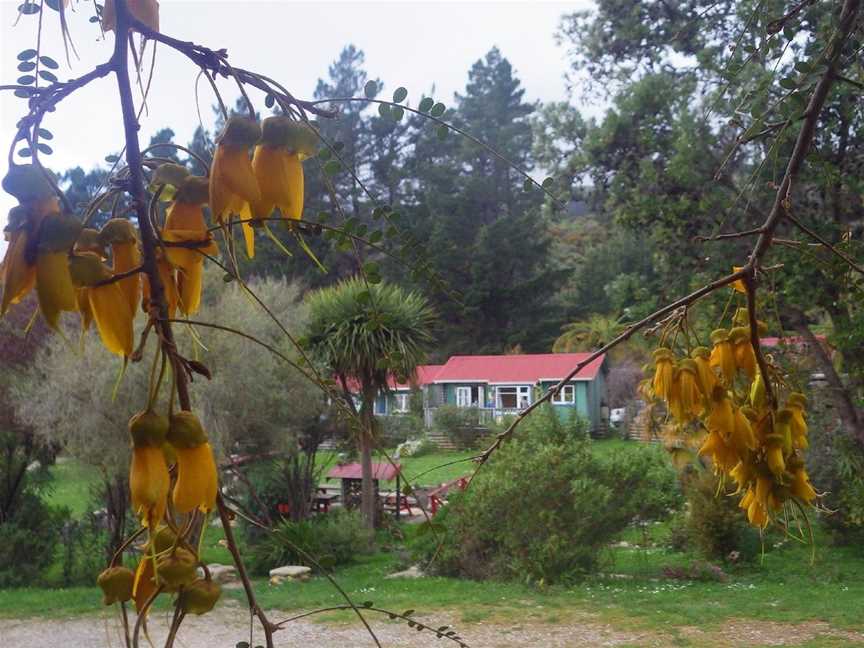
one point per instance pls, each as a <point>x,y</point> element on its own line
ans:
<point>332,167</point>
<point>111,159</point>
<point>379,212</point>
<point>384,110</point>
<point>93,19</point>
<point>48,76</point>
<point>49,62</point>
<point>26,66</point>
<point>338,146</point>
<point>376,236</point>
<point>323,216</point>
<point>788,83</point>
<point>548,183</point>
<point>24,93</point>
<point>53,4</point>
<point>44,133</point>
<point>28,8</point>
<point>372,267</point>
<point>269,100</point>
<point>438,109</point>
<point>324,154</point>
<point>228,278</point>
<point>370,89</point>
<point>242,644</point>
<point>442,131</point>
<point>44,148</point>
<point>364,297</point>
<point>27,79</point>
<point>397,113</point>
<point>395,216</point>
<point>425,104</point>
<point>400,94</point>
<point>25,152</point>
<point>408,613</point>
<point>527,185</point>
<point>27,54</point>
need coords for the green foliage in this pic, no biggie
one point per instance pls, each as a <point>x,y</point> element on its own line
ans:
<point>713,524</point>
<point>336,538</point>
<point>397,429</point>
<point>459,424</point>
<point>28,540</point>
<point>546,505</point>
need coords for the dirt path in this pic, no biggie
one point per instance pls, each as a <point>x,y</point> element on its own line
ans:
<point>229,624</point>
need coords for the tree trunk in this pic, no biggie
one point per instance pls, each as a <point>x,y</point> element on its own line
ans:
<point>839,394</point>
<point>367,494</point>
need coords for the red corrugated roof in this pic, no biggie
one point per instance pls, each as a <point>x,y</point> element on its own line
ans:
<point>523,369</point>
<point>425,376</point>
<point>382,471</point>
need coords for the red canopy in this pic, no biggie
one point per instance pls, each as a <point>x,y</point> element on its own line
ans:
<point>382,471</point>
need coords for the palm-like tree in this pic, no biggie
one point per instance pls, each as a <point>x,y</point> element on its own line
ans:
<point>365,333</point>
<point>588,335</point>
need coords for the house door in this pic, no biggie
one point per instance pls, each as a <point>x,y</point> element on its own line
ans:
<point>524,397</point>
<point>463,397</point>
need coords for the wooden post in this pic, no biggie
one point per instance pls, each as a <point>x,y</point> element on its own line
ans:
<point>398,496</point>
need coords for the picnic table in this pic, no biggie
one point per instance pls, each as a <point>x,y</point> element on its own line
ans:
<point>351,478</point>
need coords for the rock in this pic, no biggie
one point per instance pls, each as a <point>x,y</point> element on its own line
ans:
<point>276,580</point>
<point>223,573</point>
<point>412,572</point>
<point>294,572</point>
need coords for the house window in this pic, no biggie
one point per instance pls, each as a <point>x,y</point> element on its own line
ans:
<point>566,396</point>
<point>463,397</point>
<point>380,406</point>
<point>514,397</point>
<point>401,403</point>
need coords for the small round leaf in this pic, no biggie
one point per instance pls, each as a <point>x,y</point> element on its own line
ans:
<point>26,66</point>
<point>48,76</point>
<point>49,62</point>
<point>332,167</point>
<point>370,89</point>
<point>527,185</point>
<point>384,111</point>
<point>25,152</point>
<point>44,148</point>
<point>442,131</point>
<point>269,100</point>
<point>400,94</point>
<point>27,54</point>
<point>397,113</point>
<point>437,110</point>
<point>44,133</point>
<point>27,79</point>
<point>425,104</point>
<point>548,182</point>
<point>28,8</point>
<point>24,93</point>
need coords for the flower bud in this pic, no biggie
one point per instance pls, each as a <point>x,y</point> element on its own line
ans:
<point>116,584</point>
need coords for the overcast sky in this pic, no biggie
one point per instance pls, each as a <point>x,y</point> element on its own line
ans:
<point>415,44</point>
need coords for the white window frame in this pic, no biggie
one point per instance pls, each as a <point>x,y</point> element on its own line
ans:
<point>523,395</point>
<point>380,400</point>
<point>463,400</point>
<point>402,402</point>
<point>562,398</point>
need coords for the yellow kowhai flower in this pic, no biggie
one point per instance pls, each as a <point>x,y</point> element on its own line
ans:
<point>745,358</point>
<point>197,481</point>
<point>704,372</point>
<point>721,417</point>
<point>148,474</point>
<point>147,11</point>
<point>19,275</point>
<point>663,373</point>
<point>723,355</point>
<point>686,399</point>
<point>185,223</point>
<point>108,303</point>
<point>801,486</point>
<point>738,284</point>
<point>120,235</point>
<point>277,163</point>
<point>233,187</point>
<point>742,435</point>
<point>796,404</point>
<point>743,474</point>
<point>774,458</point>
<point>721,453</point>
<point>758,393</point>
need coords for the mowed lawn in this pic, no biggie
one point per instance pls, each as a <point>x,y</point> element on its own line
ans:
<point>633,590</point>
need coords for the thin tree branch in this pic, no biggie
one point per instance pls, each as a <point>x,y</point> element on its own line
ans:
<point>831,248</point>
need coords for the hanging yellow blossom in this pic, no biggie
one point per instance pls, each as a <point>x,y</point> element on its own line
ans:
<point>722,355</point>
<point>148,475</point>
<point>663,373</point>
<point>704,372</point>
<point>796,404</point>
<point>108,303</point>
<point>686,401</point>
<point>119,234</point>
<point>197,481</point>
<point>233,187</point>
<point>745,358</point>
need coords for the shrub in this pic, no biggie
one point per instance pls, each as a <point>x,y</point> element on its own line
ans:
<point>28,540</point>
<point>418,447</point>
<point>332,539</point>
<point>546,505</point>
<point>714,525</point>
<point>398,429</point>
<point>459,424</point>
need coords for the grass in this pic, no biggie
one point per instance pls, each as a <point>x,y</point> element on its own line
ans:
<point>632,591</point>
<point>71,485</point>
<point>428,470</point>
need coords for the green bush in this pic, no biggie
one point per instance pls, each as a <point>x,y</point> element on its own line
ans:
<point>399,428</point>
<point>714,525</point>
<point>28,541</point>
<point>546,505</point>
<point>332,539</point>
<point>459,424</point>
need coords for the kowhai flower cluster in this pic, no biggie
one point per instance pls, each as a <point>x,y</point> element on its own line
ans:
<point>720,394</point>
